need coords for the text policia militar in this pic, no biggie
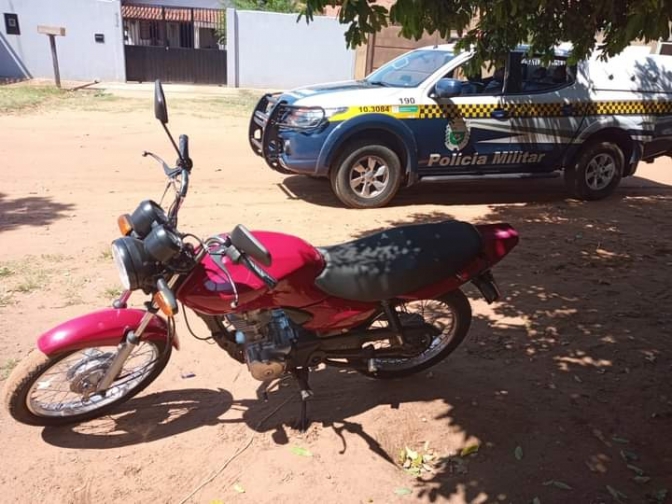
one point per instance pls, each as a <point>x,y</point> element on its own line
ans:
<point>505,157</point>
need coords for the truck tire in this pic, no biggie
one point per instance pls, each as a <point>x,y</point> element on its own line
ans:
<point>366,176</point>
<point>596,172</point>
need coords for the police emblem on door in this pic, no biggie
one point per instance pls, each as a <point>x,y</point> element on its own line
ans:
<point>457,135</point>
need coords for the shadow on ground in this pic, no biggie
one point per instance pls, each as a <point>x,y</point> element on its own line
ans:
<point>30,211</point>
<point>318,191</point>
<point>572,366</point>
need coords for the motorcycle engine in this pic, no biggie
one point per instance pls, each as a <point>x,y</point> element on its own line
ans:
<point>267,337</point>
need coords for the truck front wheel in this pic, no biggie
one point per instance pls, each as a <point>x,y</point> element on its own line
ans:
<point>596,172</point>
<point>366,176</point>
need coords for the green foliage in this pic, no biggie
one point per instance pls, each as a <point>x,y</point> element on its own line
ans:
<point>493,27</point>
<point>269,5</point>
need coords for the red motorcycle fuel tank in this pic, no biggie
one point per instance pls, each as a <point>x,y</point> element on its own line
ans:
<point>295,265</point>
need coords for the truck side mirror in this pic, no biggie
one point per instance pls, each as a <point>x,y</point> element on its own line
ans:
<point>448,88</point>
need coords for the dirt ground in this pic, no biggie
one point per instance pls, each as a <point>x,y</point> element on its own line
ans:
<point>563,385</point>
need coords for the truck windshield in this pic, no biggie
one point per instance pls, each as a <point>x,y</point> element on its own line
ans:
<point>410,70</point>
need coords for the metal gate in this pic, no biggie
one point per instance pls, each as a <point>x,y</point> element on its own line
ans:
<point>181,45</point>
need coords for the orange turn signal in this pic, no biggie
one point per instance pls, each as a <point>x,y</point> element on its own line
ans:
<point>164,304</point>
<point>124,223</point>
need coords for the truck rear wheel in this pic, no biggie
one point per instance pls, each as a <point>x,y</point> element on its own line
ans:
<point>596,172</point>
<point>366,176</point>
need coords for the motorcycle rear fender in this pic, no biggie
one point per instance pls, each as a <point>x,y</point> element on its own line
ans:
<point>105,327</point>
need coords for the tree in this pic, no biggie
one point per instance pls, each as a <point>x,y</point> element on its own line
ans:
<point>269,5</point>
<point>494,27</point>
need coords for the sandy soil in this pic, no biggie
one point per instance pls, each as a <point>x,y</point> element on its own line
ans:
<point>572,366</point>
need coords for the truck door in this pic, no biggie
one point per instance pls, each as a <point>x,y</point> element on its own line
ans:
<point>465,133</point>
<point>545,107</point>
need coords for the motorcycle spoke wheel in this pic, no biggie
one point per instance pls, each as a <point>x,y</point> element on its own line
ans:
<point>447,319</point>
<point>61,390</point>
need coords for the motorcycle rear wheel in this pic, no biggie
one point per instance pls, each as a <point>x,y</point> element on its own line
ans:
<point>71,370</point>
<point>450,314</point>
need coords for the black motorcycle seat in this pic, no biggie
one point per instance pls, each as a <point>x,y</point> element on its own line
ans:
<point>397,261</point>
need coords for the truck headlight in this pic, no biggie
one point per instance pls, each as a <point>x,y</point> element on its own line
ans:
<point>304,117</point>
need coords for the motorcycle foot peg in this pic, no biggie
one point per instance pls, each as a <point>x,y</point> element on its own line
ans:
<point>371,366</point>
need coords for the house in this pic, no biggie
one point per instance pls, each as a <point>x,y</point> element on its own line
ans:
<point>115,40</point>
<point>92,35</point>
<point>178,27</point>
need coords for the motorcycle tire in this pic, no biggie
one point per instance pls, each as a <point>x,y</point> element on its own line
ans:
<point>459,307</point>
<point>36,365</point>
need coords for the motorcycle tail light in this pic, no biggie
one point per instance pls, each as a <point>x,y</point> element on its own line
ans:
<point>124,223</point>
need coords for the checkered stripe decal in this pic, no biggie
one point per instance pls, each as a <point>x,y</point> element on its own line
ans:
<point>472,111</point>
<point>483,111</point>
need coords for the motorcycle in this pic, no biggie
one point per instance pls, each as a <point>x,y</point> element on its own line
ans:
<point>386,305</point>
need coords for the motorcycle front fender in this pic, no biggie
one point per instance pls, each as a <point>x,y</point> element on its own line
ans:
<point>105,327</point>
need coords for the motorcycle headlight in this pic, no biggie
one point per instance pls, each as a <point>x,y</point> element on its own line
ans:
<point>134,264</point>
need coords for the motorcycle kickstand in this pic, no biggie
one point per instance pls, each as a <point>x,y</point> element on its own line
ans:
<point>301,375</point>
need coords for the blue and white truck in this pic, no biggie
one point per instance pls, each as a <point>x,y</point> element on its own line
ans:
<point>427,116</point>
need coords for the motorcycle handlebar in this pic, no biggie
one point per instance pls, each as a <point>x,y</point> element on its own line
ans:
<point>184,146</point>
<point>185,161</point>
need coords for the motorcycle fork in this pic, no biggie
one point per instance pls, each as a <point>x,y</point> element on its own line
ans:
<point>132,338</point>
<point>124,349</point>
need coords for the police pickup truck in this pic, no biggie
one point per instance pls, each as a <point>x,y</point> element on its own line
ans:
<point>426,116</point>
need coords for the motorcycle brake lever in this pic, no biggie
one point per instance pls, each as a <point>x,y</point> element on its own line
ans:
<point>170,172</point>
<point>217,259</point>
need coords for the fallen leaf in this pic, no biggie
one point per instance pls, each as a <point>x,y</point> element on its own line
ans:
<point>302,452</point>
<point>621,440</point>
<point>403,491</point>
<point>411,454</point>
<point>518,452</point>
<point>468,450</point>
<point>425,447</point>
<point>558,484</point>
<point>640,472</point>
<point>238,488</point>
<point>415,471</point>
<point>642,479</point>
<point>427,457</point>
<point>628,455</point>
<point>616,494</point>
<point>661,495</point>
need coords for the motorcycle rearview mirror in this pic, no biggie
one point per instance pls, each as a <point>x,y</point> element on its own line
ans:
<point>245,241</point>
<point>160,107</point>
<point>161,113</point>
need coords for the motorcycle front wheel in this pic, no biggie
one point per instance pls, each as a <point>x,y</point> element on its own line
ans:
<point>449,318</point>
<point>51,391</point>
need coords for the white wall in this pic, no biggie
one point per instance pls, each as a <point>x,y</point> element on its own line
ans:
<point>271,50</point>
<point>80,57</point>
